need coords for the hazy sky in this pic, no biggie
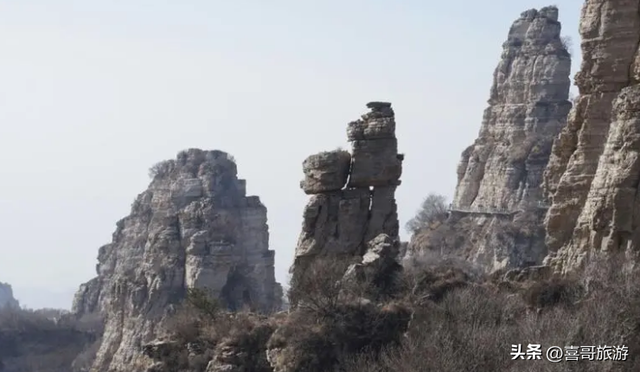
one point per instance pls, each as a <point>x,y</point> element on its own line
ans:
<point>92,93</point>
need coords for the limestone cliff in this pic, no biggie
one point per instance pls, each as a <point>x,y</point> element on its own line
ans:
<point>352,194</point>
<point>6,296</point>
<point>594,170</point>
<point>498,204</point>
<point>193,227</point>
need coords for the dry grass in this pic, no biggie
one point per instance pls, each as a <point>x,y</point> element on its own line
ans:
<point>472,327</point>
<point>445,317</point>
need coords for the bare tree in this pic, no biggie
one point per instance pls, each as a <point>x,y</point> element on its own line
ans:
<point>433,208</point>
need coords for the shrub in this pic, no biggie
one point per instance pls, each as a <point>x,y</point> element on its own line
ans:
<point>318,286</point>
<point>552,292</point>
<point>209,333</point>
<point>472,327</point>
<point>311,344</point>
<point>201,300</point>
<point>161,169</point>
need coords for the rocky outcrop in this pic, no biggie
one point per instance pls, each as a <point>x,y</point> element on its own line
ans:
<point>353,194</point>
<point>500,175</point>
<point>594,171</point>
<point>193,227</point>
<point>379,266</point>
<point>6,296</point>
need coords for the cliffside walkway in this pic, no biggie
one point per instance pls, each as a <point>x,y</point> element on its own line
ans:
<point>494,211</point>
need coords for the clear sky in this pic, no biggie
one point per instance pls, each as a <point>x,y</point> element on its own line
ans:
<point>92,93</point>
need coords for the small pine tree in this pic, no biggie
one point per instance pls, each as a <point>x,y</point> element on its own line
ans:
<point>201,301</point>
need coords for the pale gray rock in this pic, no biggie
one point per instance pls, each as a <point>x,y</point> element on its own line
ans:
<point>528,108</point>
<point>193,227</point>
<point>326,171</point>
<point>375,160</point>
<point>592,177</point>
<point>380,261</point>
<point>334,223</point>
<point>500,175</point>
<point>341,222</point>
<point>375,163</point>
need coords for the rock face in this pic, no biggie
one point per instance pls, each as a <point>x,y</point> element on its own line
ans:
<point>500,175</point>
<point>353,195</point>
<point>193,227</point>
<point>593,174</point>
<point>6,296</point>
<point>379,266</point>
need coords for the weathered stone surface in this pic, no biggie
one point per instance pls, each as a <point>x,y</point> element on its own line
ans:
<point>375,163</point>
<point>6,296</point>
<point>500,175</point>
<point>531,273</point>
<point>334,223</point>
<point>379,263</point>
<point>326,171</point>
<point>528,108</point>
<point>592,175</point>
<point>341,222</point>
<point>374,128</point>
<point>193,227</point>
<point>375,160</point>
<point>383,216</point>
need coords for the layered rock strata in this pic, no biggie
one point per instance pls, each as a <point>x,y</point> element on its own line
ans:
<point>193,227</point>
<point>594,171</point>
<point>352,194</point>
<point>499,176</point>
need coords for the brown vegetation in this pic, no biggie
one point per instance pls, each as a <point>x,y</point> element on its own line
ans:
<point>472,327</point>
<point>445,316</point>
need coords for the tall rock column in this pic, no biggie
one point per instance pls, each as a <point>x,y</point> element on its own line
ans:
<point>352,194</point>
<point>498,204</point>
<point>528,107</point>
<point>594,170</point>
<point>193,227</point>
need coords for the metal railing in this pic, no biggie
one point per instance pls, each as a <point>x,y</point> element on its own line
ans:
<point>492,210</point>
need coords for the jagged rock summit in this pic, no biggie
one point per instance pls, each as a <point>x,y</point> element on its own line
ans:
<point>6,296</point>
<point>352,194</point>
<point>500,175</point>
<point>528,107</point>
<point>193,227</point>
<point>594,171</point>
